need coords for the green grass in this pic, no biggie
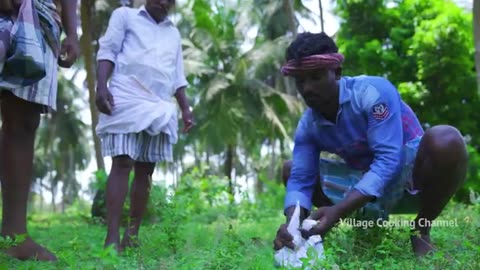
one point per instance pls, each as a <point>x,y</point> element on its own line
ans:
<point>222,239</point>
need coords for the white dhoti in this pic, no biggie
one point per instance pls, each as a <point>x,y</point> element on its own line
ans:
<point>142,125</point>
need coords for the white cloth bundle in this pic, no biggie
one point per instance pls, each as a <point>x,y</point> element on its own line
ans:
<point>137,108</point>
<point>287,257</point>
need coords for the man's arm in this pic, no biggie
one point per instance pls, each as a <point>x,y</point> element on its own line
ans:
<point>104,71</point>
<point>69,17</point>
<point>180,81</point>
<point>180,84</point>
<point>182,99</point>
<point>305,166</point>
<point>103,98</point>
<point>385,137</point>
<point>70,50</point>
<point>110,44</point>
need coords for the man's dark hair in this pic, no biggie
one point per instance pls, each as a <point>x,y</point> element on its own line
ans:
<point>307,44</point>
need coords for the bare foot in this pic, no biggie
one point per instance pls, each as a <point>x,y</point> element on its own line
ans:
<point>422,245</point>
<point>130,241</point>
<point>112,241</point>
<point>29,250</point>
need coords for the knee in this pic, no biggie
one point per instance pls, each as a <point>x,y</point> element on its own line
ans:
<point>22,126</point>
<point>20,118</point>
<point>446,145</point>
<point>123,163</point>
<point>287,166</point>
<point>149,170</point>
<point>144,168</point>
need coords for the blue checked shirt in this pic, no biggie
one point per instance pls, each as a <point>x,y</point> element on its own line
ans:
<point>37,23</point>
<point>373,124</point>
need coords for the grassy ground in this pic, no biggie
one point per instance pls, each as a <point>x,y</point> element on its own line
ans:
<point>218,239</point>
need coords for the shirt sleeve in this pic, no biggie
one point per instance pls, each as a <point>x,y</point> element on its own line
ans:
<point>180,80</point>
<point>110,44</point>
<point>305,166</point>
<point>384,135</point>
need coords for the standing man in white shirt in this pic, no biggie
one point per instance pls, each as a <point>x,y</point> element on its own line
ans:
<point>141,51</point>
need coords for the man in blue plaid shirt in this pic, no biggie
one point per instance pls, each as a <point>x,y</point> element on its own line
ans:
<point>386,154</point>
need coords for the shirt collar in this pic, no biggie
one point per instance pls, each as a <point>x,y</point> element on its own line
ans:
<point>344,97</point>
<point>345,92</point>
<point>143,11</point>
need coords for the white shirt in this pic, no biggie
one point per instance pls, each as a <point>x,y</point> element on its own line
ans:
<point>145,49</point>
<point>148,71</point>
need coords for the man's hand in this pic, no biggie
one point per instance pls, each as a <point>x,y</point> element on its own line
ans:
<point>283,239</point>
<point>187,118</point>
<point>69,51</point>
<point>104,100</point>
<point>326,217</point>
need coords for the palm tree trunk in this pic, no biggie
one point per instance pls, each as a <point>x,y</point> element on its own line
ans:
<point>283,157</point>
<point>321,15</point>
<point>273,160</point>
<point>41,193</point>
<point>258,185</point>
<point>174,169</point>
<point>228,167</point>
<point>52,191</point>
<point>476,36</point>
<point>61,177</point>
<point>51,166</point>
<point>195,155</point>
<point>247,176</point>
<point>87,13</point>
<point>181,163</point>
<point>292,21</point>
<point>207,157</point>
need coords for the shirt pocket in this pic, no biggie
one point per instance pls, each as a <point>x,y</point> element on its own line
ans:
<point>166,55</point>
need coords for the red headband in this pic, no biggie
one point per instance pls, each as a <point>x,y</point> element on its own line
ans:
<point>328,60</point>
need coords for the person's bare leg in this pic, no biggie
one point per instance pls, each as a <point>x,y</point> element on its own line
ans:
<point>286,168</point>
<point>117,189</point>
<point>20,120</point>
<point>439,171</point>
<point>138,202</point>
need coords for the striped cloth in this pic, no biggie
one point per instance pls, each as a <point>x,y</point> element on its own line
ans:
<point>139,146</point>
<point>24,64</point>
<point>43,92</point>
<point>337,179</point>
<point>50,23</point>
<point>317,61</point>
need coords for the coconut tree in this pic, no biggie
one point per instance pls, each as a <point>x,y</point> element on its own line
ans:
<point>62,145</point>
<point>235,106</point>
